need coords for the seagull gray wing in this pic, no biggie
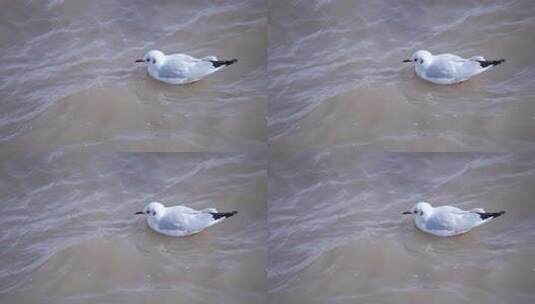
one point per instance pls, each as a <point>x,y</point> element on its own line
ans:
<point>441,69</point>
<point>167,223</point>
<point>452,66</point>
<point>438,223</point>
<point>453,219</point>
<point>171,71</point>
<point>181,209</point>
<point>450,209</point>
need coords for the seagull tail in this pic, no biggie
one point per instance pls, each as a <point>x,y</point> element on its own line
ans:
<point>486,215</point>
<point>486,63</point>
<point>218,63</point>
<point>218,215</point>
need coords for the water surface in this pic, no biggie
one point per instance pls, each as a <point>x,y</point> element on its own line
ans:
<point>336,77</point>
<point>69,80</point>
<point>336,233</point>
<point>70,234</point>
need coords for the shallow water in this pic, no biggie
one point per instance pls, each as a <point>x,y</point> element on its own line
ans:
<point>300,124</point>
<point>336,233</point>
<point>69,80</point>
<point>336,77</point>
<point>70,234</point>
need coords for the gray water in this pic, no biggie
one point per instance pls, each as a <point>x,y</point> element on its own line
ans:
<point>69,80</point>
<point>298,136</point>
<point>336,77</point>
<point>336,233</point>
<point>70,235</point>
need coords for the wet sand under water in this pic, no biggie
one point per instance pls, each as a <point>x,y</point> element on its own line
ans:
<point>336,233</point>
<point>69,80</point>
<point>70,234</point>
<point>293,136</point>
<point>336,77</point>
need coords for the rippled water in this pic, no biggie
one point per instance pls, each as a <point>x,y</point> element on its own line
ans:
<point>300,125</point>
<point>336,77</point>
<point>336,233</point>
<point>69,79</point>
<point>70,235</point>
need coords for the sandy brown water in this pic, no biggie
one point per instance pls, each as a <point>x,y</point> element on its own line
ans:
<point>336,77</point>
<point>336,233</point>
<point>69,79</point>
<point>70,235</point>
<point>301,136</point>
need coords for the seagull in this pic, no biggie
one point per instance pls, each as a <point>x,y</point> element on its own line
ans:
<point>449,68</point>
<point>181,220</point>
<point>448,220</point>
<point>181,68</point>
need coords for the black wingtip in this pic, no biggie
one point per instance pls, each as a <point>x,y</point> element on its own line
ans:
<point>218,63</point>
<point>486,63</point>
<point>486,215</point>
<point>219,215</point>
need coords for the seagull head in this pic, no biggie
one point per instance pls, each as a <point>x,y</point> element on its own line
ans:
<point>421,209</point>
<point>421,57</point>
<point>153,210</point>
<point>153,58</point>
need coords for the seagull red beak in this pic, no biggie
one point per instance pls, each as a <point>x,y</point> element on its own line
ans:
<point>407,212</point>
<point>140,60</point>
<point>140,212</point>
<point>406,60</point>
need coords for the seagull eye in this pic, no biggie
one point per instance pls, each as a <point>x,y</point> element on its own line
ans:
<point>148,60</point>
<point>415,59</point>
<point>148,212</point>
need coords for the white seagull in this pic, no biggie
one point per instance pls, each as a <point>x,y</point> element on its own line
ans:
<point>181,68</point>
<point>448,220</point>
<point>449,68</point>
<point>181,220</point>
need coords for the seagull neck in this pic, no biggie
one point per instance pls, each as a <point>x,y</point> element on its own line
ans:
<point>161,213</point>
<point>160,61</point>
<point>427,61</point>
<point>427,213</point>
